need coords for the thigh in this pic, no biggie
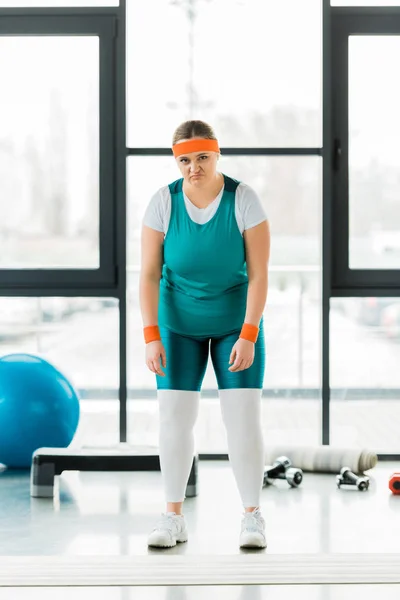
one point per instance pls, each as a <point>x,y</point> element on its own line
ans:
<point>253,377</point>
<point>186,362</point>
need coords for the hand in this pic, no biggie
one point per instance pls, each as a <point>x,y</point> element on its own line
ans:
<point>155,351</point>
<point>242,355</point>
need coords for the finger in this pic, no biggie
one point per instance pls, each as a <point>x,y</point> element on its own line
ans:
<point>243,366</point>
<point>237,364</point>
<point>157,368</point>
<point>150,366</point>
<point>164,359</point>
<point>232,356</point>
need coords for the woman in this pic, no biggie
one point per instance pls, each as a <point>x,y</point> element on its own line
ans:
<point>203,288</point>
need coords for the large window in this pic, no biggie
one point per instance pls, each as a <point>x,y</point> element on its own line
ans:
<point>253,70</point>
<point>365,182</point>
<point>49,152</point>
<point>57,151</point>
<point>256,76</point>
<point>257,92</point>
<point>365,378</point>
<point>374,162</point>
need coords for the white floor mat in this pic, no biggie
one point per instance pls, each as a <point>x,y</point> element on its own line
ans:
<point>158,569</point>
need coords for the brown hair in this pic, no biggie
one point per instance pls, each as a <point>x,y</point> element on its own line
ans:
<point>192,129</point>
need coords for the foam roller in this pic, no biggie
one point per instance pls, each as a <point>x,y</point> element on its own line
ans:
<point>323,459</point>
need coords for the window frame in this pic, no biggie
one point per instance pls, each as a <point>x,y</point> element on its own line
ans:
<point>101,23</point>
<point>346,22</point>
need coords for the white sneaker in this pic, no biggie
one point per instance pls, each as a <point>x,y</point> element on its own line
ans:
<point>169,530</point>
<point>252,534</point>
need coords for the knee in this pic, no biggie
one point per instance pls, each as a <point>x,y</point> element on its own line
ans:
<point>241,413</point>
<point>178,410</point>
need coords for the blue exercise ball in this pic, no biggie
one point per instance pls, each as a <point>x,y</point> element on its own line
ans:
<point>38,408</point>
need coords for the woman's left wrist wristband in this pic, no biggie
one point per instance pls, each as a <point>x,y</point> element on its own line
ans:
<point>151,333</point>
<point>249,332</point>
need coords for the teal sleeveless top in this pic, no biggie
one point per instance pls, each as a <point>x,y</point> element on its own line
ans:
<point>203,288</point>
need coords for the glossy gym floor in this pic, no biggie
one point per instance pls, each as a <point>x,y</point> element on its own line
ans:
<point>110,514</point>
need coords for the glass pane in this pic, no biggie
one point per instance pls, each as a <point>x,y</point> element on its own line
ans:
<point>374,160</point>
<point>80,337</point>
<point>49,152</point>
<point>365,378</point>
<point>34,3</point>
<point>292,317</point>
<point>261,87</point>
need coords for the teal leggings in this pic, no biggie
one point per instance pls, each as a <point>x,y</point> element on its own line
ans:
<point>187,360</point>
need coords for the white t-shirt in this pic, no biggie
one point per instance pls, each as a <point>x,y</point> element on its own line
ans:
<point>249,211</point>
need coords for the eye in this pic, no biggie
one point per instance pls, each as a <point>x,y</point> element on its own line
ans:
<point>183,160</point>
<point>205,156</point>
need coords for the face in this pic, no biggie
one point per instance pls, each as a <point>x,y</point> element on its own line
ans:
<point>198,168</point>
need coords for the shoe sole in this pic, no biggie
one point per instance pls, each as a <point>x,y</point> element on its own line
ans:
<point>178,541</point>
<point>253,546</point>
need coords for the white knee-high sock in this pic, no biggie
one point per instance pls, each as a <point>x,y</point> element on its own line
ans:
<point>241,414</point>
<point>178,414</point>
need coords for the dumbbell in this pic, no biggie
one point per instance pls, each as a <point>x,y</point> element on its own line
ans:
<point>347,477</point>
<point>394,483</point>
<point>282,469</point>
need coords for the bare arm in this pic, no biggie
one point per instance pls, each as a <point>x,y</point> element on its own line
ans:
<point>150,274</point>
<point>149,292</point>
<point>257,242</point>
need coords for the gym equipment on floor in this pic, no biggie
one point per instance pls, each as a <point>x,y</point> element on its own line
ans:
<point>282,469</point>
<point>47,463</point>
<point>323,459</point>
<point>394,483</point>
<point>347,477</point>
<point>39,407</point>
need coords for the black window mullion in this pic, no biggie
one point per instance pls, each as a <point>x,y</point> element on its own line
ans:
<point>340,223</point>
<point>239,151</point>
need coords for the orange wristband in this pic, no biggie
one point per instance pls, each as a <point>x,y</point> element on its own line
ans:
<point>249,332</point>
<point>151,333</point>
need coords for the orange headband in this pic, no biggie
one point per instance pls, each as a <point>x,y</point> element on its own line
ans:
<point>195,146</point>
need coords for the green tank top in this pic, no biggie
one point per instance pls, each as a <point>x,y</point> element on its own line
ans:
<point>203,288</point>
